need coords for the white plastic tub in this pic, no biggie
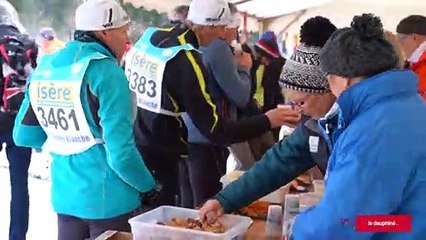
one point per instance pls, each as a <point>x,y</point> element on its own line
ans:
<point>278,195</point>
<point>274,197</point>
<point>145,227</point>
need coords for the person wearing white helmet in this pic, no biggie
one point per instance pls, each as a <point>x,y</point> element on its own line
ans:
<point>229,87</point>
<point>231,33</point>
<point>78,107</point>
<point>166,72</point>
<point>18,57</point>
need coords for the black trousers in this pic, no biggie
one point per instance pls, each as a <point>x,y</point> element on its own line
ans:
<point>73,228</point>
<point>200,174</point>
<point>19,162</point>
<point>164,166</point>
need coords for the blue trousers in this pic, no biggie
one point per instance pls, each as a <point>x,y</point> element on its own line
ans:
<point>19,161</point>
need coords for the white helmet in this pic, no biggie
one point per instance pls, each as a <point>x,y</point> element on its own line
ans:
<point>97,15</point>
<point>9,16</point>
<point>209,12</point>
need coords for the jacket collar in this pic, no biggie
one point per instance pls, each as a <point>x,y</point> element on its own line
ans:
<point>373,90</point>
<point>91,40</point>
<point>418,53</point>
<point>188,35</point>
<point>330,118</point>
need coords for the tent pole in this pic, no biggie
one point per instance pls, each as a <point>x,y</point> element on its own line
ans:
<point>261,26</point>
<point>245,31</point>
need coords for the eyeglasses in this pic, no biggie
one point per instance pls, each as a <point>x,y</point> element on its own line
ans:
<point>295,105</point>
<point>402,37</point>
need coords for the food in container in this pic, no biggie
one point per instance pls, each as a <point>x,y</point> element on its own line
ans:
<point>196,224</point>
<point>257,209</point>
<point>146,227</point>
<point>230,177</point>
<point>274,197</point>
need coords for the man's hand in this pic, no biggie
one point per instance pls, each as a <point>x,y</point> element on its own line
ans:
<point>243,59</point>
<point>283,116</point>
<point>211,211</point>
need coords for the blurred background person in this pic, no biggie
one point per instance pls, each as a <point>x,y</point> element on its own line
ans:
<point>17,61</point>
<point>48,42</point>
<point>178,15</point>
<point>412,36</point>
<point>393,39</point>
<point>266,73</point>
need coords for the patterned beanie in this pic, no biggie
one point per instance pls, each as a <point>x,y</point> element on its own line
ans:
<point>267,45</point>
<point>302,72</point>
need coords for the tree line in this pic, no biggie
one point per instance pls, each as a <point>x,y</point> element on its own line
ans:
<point>59,14</point>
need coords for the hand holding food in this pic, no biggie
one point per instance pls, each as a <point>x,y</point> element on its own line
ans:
<point>211,211</point>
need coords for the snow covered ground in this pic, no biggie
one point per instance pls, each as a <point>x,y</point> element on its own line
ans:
<point>42,224</point>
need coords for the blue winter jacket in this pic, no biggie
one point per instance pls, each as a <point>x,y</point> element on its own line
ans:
<point>378,164</point>
<point>106,180</point>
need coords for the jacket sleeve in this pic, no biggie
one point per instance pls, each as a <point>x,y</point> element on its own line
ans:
<point>116,119</point>
<point>27,131</point>
<point>421,72</point>
<point>201,109</point>
<point>364,178</point>
<point>280,165</point>
<point>233,80</point>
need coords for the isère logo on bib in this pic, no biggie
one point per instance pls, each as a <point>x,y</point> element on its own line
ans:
<point>142,74</point>
<point>55,105</point>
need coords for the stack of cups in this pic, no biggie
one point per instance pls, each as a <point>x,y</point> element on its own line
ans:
<point>274,221</point>
<point>291,209</point>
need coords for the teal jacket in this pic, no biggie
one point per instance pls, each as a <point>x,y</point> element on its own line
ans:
<point>106,180</point>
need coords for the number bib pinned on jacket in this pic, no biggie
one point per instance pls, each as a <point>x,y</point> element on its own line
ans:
<point>145,65</point>
<point>55,99</point>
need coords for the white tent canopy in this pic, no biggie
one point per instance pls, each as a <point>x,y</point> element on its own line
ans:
<point>340,12</point>
<point>288,15</point>
<point>261,9</point>
<point>264,9</point>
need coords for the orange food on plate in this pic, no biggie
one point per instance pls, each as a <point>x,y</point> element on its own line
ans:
<point>257,209</point>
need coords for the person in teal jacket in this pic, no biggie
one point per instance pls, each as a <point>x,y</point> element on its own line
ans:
<point>378,164</point>
<point>78,107</point>
<point>310,143</point>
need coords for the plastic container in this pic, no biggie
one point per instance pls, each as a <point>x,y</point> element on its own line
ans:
<point>274,221</point>
<point>291,210</point>
<point>230,177</point>
<point>309,199</point>
<point>274,197</point>
<point>145,227</point>
<point>277,196</point>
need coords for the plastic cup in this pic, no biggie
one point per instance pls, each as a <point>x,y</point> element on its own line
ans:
<point>310,199</point>
<point>286,106</point>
